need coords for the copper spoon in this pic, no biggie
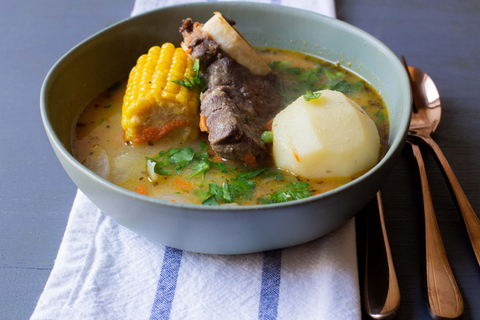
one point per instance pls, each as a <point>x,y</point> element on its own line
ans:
<point>443,296</point>
<point>425,122</point>
<point>381,290</point>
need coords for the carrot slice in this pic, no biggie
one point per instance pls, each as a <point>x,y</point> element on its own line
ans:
<point>203,123</point>
<point>183,184</point>
<point>141,189</point>
<point>152,133</point>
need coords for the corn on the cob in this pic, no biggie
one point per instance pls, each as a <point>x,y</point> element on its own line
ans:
<point>153,104</point>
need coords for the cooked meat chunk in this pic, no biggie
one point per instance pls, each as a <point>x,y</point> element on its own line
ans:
<point>229,135</point>
<point>236,103</point>
<point>197,43</point>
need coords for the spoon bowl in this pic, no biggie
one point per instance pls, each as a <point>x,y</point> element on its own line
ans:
<point>426,98</point>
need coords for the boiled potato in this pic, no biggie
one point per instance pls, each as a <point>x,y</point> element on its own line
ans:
<point>330,136</point>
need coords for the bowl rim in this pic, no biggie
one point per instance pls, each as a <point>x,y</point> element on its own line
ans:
<point>393,148</point>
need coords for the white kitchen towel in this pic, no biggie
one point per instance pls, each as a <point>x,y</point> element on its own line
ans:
<point>105,271</point>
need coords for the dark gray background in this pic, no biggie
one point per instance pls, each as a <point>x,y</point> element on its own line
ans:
<point>441,37</point>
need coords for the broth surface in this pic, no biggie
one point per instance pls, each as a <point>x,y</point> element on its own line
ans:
<point>99,126</point>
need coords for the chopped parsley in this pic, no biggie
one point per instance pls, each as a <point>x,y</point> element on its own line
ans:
<point>234,190</point>
<point>237,189</point>
<point>293,191</point>
<point>380,115</point>
<point>195,81</point>
<point>174,158</point>
<point>345,86</point>
<point>309,95</point>
<point>250,174</point>
<point>297,80</point>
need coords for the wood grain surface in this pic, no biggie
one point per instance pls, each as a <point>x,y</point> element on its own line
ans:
<point>439,36</point>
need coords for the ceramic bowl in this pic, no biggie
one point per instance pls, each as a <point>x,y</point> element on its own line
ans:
<point>109,55</point>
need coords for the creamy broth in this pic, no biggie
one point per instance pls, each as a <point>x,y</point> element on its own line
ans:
<point>99,126</point>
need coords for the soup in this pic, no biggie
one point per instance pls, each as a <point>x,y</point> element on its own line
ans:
<point>188,171</point>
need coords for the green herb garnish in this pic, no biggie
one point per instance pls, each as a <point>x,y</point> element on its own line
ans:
<point>242,187</point>
<point>179,158</point>
<point>206,198</point>
<point>345,86</point>
<point>309,95</point>
<point>237,189</point>
<point>174,157</point>
<point>293,191</point>
<point>195,81</point>
<point>380,115</point>
<point>250,174</point>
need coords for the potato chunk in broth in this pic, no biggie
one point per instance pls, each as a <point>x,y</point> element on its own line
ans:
<point>189,171</point>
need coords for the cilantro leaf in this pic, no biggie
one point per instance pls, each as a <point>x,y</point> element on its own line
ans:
<point>293,191</point>
<point>183,155</point>
<point>309,95</point>
<point>160,170</point>
<point>380,115</point>
<point>250,174</point>
<point>210,201</point>
<point>200,167</point>
<point>345,86</point>
<point>279,65</point>
<point>195,81</point>
<point>269,174</point>
<point>220,166</point>
<point>223,193</point>
<point>203,145</point>
<point>242,187</point>
<point>206,198</point>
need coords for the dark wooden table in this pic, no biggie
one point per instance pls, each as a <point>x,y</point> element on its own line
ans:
<point>441,37</point>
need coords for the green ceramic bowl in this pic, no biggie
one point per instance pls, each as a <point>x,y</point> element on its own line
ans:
<point>110,54</point>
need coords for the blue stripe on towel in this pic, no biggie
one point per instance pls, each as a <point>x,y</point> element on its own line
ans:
<point>270,290</point>
<point>167,283</point>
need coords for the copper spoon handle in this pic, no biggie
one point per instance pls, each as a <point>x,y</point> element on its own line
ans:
<point>472,223</point>
<point>382,293</point>
<point>444,299</point>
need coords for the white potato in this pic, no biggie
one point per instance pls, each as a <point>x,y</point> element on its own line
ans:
<point>330,136</point>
